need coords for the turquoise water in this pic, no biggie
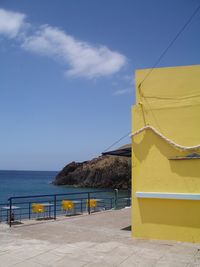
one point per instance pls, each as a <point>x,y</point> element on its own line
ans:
<point>22,183</point>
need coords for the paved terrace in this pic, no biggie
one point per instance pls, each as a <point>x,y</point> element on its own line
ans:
<point>95,240</point>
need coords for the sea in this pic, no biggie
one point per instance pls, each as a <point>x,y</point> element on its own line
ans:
<point>24,183</point>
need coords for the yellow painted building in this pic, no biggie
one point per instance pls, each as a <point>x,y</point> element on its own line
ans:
<point>166,154</point>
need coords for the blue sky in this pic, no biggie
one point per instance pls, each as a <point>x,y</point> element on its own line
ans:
<point>66,72</point>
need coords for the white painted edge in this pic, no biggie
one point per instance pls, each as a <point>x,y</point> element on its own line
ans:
<point>165,195</point>
<point>148,127</point>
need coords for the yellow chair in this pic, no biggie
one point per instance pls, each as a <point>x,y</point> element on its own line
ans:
<point>38,208</point>
<point>92,203</point>
<point>67,205</point>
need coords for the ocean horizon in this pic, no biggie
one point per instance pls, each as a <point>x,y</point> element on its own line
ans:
<point>23,183</point>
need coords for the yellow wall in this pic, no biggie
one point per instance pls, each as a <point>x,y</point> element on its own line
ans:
<point>168,100</point>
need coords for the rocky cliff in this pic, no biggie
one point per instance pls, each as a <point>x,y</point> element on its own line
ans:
<point>101,172</point>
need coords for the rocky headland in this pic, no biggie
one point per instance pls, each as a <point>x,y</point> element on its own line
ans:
<point>102,172</point>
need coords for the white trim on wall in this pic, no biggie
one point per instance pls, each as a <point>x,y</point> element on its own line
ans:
<point>166,195</point>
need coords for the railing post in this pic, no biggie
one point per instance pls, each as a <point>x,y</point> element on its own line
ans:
<point>10,211</point>
<point>29,210</point>
<point>111,203</point>
<point>116,198</point>
<point>54,207</point>
<point>81,206</point>
<point>88,203</point>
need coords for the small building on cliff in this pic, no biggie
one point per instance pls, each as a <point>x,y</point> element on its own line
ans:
<point>166,154</point>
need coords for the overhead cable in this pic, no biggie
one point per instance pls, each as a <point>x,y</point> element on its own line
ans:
<point>172,42</point>
<point>116,142</point>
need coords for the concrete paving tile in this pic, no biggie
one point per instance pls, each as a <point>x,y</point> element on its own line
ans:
<point>125,250</point>
<point>3,252</point>
<point>12,246</point>
<point>72,247</point>
<point>6,260</point>
<point>192,264</point>
<point>47,258</point>
<point>66,249</point>
<point>162,263</point>
<point>83,244</point>
<point>27,253</point>
<point>132,249</point>
<point>23,244</point>
<point>149,253</point>
<point>196,260</point>
<point>90,241</point>
<point>163,242</point>
<point>171,257</point>
<point>99,264</point>
<point>197,255</point>
<point>66,261</point>
<point>113,259</point>
<point>135,261</point>
<point>29,263</point>
<point>152,244</point>
<point>106,246</point>
<point>183,249</point>
<point>83,255</point>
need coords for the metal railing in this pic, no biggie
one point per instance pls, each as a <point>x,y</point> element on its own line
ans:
<point>20,207</point>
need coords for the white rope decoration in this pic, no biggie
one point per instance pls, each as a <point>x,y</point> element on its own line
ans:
<point>148,127</point>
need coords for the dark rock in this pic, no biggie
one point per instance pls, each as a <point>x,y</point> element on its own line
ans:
<point>101,172</point>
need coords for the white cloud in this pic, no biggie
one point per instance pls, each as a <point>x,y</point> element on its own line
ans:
<point>81,58</point>
<point>123,91</point>
<point>11,23</point>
